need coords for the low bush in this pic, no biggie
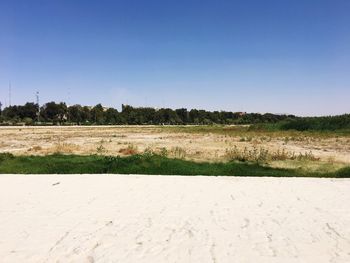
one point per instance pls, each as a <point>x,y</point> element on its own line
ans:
<point>6,156</point>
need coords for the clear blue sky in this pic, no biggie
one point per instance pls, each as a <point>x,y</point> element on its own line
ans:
<point>282,56</point>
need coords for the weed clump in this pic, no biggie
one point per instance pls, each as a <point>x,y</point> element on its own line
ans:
<point>255,154</point>
<point>178,152</point>
<point>164,152</point>
<point>130,150</point>
<point>262,155</point>
<point>101,149</point>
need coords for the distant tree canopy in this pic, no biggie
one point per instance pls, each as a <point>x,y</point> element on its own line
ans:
<point>54,112</point>
<point>60,113</point>
<point>325,123</point>
<point>18,113</point>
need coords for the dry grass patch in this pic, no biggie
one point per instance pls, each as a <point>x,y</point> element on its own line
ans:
<point>263,155</point>
<point>63,148</point>
<point>178,152</point>
<point>202,143</point>
<point>35,148</point>
<point>130,150</point>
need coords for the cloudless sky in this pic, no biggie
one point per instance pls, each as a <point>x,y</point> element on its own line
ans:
<point>280,56</point>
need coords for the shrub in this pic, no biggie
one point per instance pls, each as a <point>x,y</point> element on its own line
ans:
<point>6,156</point>
<point>101,149</point>
<point>163,152</point>
<point>343,173</point>
<point>28,121</point>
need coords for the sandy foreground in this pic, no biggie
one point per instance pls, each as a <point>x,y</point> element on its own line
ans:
<point>115,218</point>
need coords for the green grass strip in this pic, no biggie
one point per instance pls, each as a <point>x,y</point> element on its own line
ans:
<point>144,164</point>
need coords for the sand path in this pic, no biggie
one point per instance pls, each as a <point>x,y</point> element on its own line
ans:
<point>113,218</point>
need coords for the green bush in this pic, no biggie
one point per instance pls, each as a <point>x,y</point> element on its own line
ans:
<point>343,173</point>
<point>6,156</point>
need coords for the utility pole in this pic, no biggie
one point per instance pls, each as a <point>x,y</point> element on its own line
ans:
<point>10,93</point>
<point>68,102</point>
<point>37,103</point>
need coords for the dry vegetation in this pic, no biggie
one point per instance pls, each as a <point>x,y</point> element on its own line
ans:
<point>198,143</point>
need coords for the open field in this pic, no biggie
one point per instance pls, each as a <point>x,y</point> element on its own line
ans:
<point>114,218</point>
<point>325,151</point>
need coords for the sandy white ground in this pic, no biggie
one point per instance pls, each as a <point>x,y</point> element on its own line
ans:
<point>113,218</point>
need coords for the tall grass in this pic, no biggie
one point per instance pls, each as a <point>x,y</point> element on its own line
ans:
<point>263,155</point>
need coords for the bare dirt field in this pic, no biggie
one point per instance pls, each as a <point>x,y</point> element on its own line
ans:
<point>114,218</point>
<point>183,142</point>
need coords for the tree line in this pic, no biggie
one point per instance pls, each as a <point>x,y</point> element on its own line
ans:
<point>59,113</point>
<point>325,123</point>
